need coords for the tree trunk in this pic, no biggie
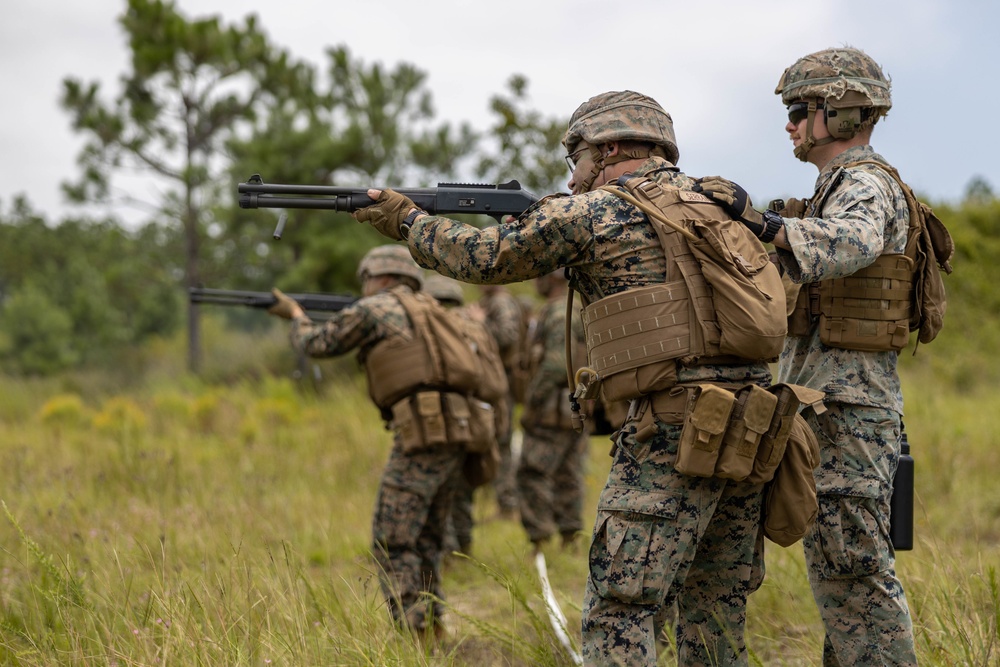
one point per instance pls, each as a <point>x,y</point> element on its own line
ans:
<point>193,279</point>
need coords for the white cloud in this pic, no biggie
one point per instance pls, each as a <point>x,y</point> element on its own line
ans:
<point>712,65</point>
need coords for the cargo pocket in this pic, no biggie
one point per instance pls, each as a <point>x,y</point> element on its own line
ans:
<point>399,515</point>
<point>852,541</point>
<point>632,555</point>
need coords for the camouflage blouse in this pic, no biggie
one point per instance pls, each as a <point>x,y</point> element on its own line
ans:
<point>360,326</point>
<point>609,243</point>
<point>855,215</point>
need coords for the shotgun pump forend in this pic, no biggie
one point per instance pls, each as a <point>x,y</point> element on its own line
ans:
<point>496,201</point>
<point>225,297</point>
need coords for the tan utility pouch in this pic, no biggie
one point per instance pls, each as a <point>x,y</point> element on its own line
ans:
<point>790,502</point>
<point>404,423</point>
<point>457,418</point>
<point>773,443</point>
<point>750,420</point>
<point>482,427</point>
<point>704,427</point>
<point>419,421</point>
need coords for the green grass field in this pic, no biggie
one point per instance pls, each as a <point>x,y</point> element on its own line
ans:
<point>189,524</point>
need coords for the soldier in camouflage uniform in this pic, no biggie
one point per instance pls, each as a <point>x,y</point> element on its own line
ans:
<point>856,214</point>
<point>503,319</point>
<point>551,467</point>
<point>414,499</point>
<point>660,537</point>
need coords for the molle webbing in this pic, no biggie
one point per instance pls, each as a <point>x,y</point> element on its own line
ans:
<point>674,320</point>
<point>396,368</point>
<point>638,327</point>
<point>867,310</point>
<point>716,273</point>
<point>437,357</point>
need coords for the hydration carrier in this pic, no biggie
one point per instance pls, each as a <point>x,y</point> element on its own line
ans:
<point>721,301</point>
<point>439,355</point>
<point>876,308</point>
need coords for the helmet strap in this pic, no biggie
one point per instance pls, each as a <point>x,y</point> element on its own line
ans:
<point>603,160</point>
<point>802,150</point>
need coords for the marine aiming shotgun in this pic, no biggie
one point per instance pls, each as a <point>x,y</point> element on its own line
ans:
<point>495,201</point>
<point>225,297</point>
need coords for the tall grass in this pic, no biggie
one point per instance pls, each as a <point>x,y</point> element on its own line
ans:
<point>183,523</point>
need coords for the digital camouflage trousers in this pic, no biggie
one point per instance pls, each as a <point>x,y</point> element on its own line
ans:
<point>411,513</point>
<point>850,557</point>
<point>665,541</point>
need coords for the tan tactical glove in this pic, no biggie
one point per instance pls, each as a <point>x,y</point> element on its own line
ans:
<point>285,306</point>
<point>734,199</point>
<point>386,214</point>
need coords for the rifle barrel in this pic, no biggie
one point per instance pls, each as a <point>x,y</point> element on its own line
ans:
<point>308,301</point>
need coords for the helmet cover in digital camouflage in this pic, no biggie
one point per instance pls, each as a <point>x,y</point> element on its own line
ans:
<point>390,259</point>
<point>844,76</point>
<point>622,116</point>
<point>444,289</point>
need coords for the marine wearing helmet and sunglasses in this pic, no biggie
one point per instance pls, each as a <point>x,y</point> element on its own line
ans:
<point>660,536</point>
<point>852,231</point>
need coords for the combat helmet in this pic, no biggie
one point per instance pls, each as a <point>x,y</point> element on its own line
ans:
<point>446,290</point>
<point>390,259</point>
<point>850,86</point>
<point>620,116</point>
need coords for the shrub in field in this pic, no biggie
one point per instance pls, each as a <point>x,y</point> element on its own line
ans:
<point>120,417</point>
<point>63,411</point>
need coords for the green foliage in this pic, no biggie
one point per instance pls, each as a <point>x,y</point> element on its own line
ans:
<point>366,125</point>
<point>231,525</point>
<point>192,86</point>
<point>965,350</point>
<point>529,146</point>
<point>78,292</point>
<point>38,333</point>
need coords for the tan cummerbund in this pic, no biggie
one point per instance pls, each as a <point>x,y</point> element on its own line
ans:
<point>637,327</point>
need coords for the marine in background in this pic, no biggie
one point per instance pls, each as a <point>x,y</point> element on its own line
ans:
<point>504,317</point>
<point>429,445</point>
<point>449,294</point>
<point>550,472</point>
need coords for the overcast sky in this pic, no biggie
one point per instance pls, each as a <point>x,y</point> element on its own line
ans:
<point>713,65</point>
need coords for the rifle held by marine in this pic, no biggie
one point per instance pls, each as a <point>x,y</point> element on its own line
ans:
<point>309,301</point>
<point>496,201</point>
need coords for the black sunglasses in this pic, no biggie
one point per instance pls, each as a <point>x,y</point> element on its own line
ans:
<point>797,112</point>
